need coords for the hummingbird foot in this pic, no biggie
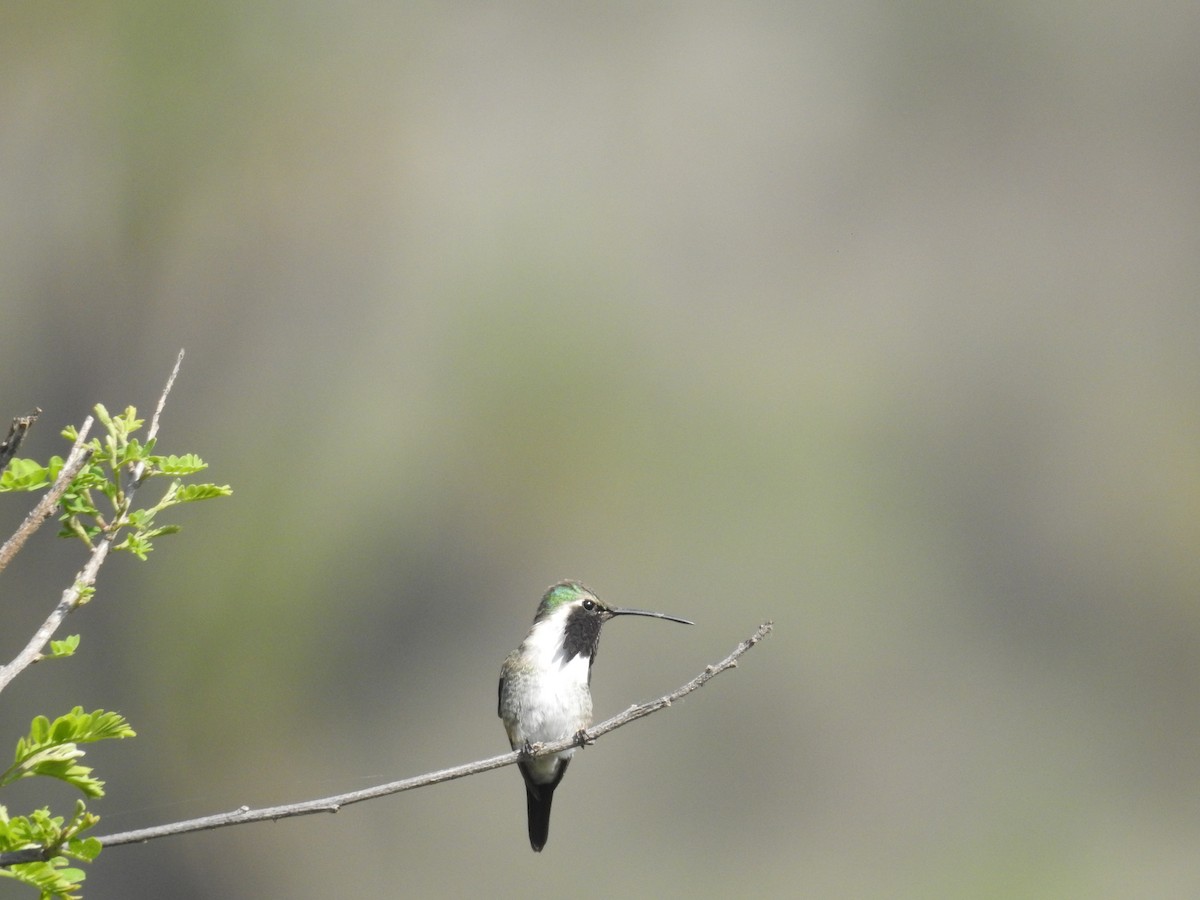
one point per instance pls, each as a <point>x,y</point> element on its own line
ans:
<point>527,749</point>
<point>583,739</point>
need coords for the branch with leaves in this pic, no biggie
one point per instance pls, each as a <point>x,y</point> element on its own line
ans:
<point>93,491</point>
<point>51,750</point>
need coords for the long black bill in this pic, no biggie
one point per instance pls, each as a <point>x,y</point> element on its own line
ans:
<point>626,611</point>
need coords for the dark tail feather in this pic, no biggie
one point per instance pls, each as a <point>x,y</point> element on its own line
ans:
<point>538,798</point>
<point>538,801</point>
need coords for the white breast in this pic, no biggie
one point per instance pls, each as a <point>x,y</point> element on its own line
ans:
<point>545,699</point>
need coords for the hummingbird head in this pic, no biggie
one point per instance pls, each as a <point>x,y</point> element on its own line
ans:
<point>578,615</point>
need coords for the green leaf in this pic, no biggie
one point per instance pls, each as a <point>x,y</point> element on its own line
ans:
<point>104,417</point>
<point>189,492</point>
<point>54,879</point>
<point>131,453</point>
<point>54,467</point>
<point>188,464</point>
<point>65,647</point>
<point>39,731</point>
<point>84,848</point>
<point>163,529</point>
<point>25,475</point>
<point>136,544</point>
<point>51,749</point>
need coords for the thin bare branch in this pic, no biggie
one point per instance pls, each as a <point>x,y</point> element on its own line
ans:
<point>139,474</point>
<point>244,814</point>
<point>45,507</point>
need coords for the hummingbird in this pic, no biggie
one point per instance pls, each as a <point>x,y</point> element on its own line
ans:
<point>545,688</point>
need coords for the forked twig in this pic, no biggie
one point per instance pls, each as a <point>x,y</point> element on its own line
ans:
<point>86,577</point>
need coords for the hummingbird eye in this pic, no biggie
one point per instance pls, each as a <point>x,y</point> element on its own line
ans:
<point>589,604</point>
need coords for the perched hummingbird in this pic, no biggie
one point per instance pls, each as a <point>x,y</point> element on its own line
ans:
<point>545,692</point>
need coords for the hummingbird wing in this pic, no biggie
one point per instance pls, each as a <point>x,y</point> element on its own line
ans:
<point>500,697</point>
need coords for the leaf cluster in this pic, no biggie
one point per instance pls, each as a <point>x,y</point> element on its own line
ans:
<point>99,500</point>
<point>51,750</point>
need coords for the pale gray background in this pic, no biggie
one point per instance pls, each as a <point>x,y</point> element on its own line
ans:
<point>877,319</point>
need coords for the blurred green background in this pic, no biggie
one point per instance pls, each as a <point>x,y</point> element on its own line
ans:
<point>878,320</point>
